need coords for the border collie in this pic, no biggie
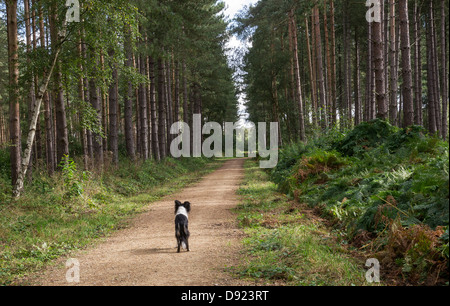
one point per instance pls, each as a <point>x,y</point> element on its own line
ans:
<point>181,224</point>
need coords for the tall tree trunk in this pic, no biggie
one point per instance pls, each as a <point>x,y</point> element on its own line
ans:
<point>113,117</point>
<point>393,58</point>
<point>51,164</point>
<point>162,109</point>
<point>155,144</point>
<point>128,103</point>
<point>408,107</point>
<point>320,76</point>
<point>104,105</point>
<point>177,92</point>
<point>444,61</point>
<point>14,107</point>
<point>314,80</point>
<point>431,77</point>
<point>333,62</point>
<point>62,137</point>
<point>346,106</point>
<point>18,186</point>
<point>356,81</point>
<point>185,94</point>
<point>275,102</point>
<point>378,55</point>
<point>298,85</point>
<point>368,96</point>
<point>418,117</point>
<point>97,143</point>
<point>149,107</point>
<point>169,102</point>
<point>329,69</point>
<point>32,95</point>
<point>435,65</point>
<point>82,98</point>
<point>311,72</point>
<point>143,111</point>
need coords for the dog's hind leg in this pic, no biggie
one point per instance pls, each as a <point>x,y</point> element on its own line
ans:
<point>179,245</point>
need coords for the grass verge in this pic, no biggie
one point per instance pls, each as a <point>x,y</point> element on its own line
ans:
<point>68,211</point>
<point>286,245</point>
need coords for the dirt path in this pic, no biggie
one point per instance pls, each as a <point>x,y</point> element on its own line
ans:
<point>145,253</point>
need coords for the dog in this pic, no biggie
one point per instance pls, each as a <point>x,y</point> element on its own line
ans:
<point>181,225</point>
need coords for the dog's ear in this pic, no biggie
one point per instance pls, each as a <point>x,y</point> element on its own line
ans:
<point>187,205</point>
<point>177,204</point>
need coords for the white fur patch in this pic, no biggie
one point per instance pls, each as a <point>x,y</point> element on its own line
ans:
<point>182,211</point>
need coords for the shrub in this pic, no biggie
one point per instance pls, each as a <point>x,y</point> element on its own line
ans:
<point>364,137</point>
<point>378,173</point>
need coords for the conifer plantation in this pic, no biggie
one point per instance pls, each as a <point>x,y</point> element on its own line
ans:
<point>89,93</point>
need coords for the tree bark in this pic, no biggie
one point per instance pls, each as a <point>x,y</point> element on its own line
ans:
<point>177,92</point>
<point>418,116</point>
<point>298,86</point>
<point>431,78</point>
<point>162,109</point>
<point>155,144</point>
<point>437,96</point>
<point>113,117</point>
<point>378,56</point>
<point>143,112</point>
<point>62,138</point>
<point>444,61</point>
<point>356,81</point>
<point>320,74</point>
<point>14,107</point>
<point>333,62</point>
<point>51,165</point>
<point>97,142</point>
<point>311,71</point>
<point>346,105</point>
<point>128,103</point>
<point>393,107</point>
<point>169,103</point>
<point>408,107</point>
<point>329,69</point>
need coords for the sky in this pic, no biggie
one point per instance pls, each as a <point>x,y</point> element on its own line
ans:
<point>232,7</point>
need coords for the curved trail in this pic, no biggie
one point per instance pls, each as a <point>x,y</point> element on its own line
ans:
<point>145,253</point>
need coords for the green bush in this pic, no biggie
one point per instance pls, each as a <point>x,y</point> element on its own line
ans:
<point>365,137</point>
<point>377,177</point>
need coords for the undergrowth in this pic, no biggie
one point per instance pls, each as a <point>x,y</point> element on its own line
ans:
<point>283,246</point>
<point>386,189</point>
<point>66,212</point>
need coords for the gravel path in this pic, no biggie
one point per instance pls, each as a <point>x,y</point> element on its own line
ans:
<point>145,252</point>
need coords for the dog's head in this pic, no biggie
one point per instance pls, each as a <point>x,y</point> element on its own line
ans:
<point>186,205</point>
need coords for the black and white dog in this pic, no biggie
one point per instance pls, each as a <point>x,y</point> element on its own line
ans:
<point>181,224</point>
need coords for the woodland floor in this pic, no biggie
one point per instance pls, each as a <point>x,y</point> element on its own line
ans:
<point>144,253</point>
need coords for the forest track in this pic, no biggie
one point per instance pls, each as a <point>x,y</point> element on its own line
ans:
<point>145,252</point>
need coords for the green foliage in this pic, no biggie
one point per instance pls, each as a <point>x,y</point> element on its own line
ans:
<point>287,158</point>
<point>365,137</point>
<point>380,174</point>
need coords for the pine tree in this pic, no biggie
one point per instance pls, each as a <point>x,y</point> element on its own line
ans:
<point>14,107</point>
<point>408,107</point>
